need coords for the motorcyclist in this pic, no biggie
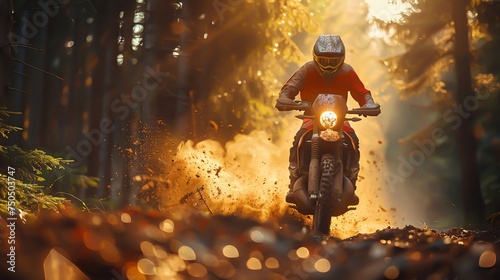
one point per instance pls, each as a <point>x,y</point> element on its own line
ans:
<point>326,73</point>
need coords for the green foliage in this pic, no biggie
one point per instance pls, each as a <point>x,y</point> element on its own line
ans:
<point>4,128</point>
<point>249,46</point>
<point>487,23</point>
<point>427,65</point>
<point>427,35</point>
<point>22,176</point>
<point>38,161</point>
<point>486,30</point>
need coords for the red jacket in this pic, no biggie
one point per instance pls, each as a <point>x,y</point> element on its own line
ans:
<point>309,82</point>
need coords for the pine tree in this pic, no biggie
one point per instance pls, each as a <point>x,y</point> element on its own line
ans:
<point>22,176</point>
<point>449,58</point>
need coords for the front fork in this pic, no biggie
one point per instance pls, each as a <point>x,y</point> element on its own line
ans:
<point>315,168</point>
<point>314,171</point>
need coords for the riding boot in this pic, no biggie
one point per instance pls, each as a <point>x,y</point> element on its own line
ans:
<point>353,177</point>
<point>294,175</point>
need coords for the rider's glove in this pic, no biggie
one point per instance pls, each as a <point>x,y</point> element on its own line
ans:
<point>284,101</point>
<point>369,103</point>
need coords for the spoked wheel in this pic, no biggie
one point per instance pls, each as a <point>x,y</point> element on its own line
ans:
<point>327,192</point>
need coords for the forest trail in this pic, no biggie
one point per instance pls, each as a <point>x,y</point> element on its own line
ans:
<point>140,244</point>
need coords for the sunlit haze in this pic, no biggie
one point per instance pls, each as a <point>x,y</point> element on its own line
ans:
<point>387,10</point>
<point>248,176</point>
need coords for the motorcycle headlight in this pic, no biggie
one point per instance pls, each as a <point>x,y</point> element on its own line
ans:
<point>328,119</point>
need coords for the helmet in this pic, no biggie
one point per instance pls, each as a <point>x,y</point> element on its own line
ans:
<point>329,54</point>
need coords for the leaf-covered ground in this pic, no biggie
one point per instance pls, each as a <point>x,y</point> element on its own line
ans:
<point>137,244</point>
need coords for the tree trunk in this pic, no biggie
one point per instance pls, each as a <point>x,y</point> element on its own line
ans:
<point>56,93</point>
<point>78,96</point>
<point>105,80</point>
<point>5,31</point>
<point>121,157</point>
<point>15,91</point>
<point>35,108</point>
<point>471,186</point>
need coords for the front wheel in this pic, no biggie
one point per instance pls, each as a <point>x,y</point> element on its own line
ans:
<point>324,206</point>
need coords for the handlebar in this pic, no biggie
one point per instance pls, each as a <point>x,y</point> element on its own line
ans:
<point>366,111</point>
<point>299,105</point>
<point>305,105</point>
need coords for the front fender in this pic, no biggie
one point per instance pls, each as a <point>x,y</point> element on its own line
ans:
<point>347,193</point>
<point>303,204</point>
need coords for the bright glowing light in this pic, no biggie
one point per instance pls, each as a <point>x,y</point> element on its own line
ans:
<point>322,265</point>
<point>230,251</point>
<point>186,253</point>
<point>176,52</point>
<point>303,253</point>
<point>167,226</point>
<point>387,10</point>
<point>254,264</point>
<point>328,119</point>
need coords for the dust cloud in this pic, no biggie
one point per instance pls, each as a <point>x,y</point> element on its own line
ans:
<point>248,177</point>
<point>375,210</point>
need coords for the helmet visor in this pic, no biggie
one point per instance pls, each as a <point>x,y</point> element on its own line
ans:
<point>328,63</point>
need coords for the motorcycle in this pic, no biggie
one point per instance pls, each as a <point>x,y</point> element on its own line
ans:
<point>322,189</point>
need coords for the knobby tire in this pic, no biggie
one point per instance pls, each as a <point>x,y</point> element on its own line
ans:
<point>324,208</point>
